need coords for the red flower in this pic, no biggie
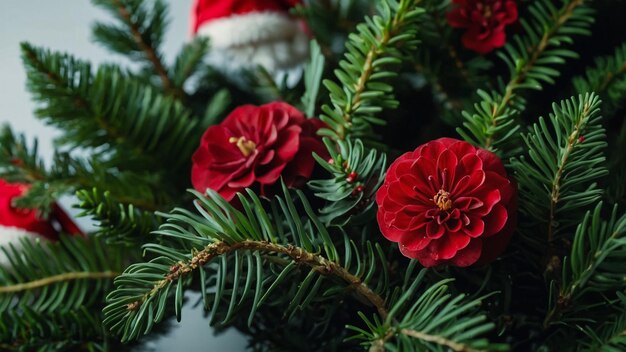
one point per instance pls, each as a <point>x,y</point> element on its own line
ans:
<point>14,219</point>
<point>256,145</point>
<point>484,20</point>
<point>448,203</point>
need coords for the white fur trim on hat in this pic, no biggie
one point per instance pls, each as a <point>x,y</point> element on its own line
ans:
<point>271,39</point>
<point>12,235</point>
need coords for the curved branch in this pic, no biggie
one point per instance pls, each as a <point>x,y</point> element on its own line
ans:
<point>297,254</point>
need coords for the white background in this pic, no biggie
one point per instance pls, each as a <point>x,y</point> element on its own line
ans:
<point>65,25</point>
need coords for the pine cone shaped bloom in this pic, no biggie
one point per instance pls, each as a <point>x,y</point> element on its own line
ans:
<point>448,202</point>
<point>485,21</point>
<point>255,146</point>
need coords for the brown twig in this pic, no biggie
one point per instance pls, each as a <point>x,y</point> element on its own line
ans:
<point>50,280</point>
<point>148,50</point>
<point>297,254</point>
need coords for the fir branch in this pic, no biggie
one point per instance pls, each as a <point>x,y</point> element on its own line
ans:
<point>28,330</point>
<point>55,279</point>
<point>297,254</point>
<point>149,51</point>
<point>431,319</point>
<point>119,222</point>
<point>607,334</point>
<point>607,78</point>
<point>312,78</point>
<point>124,120</point>
<point>575,137</point>
<point>376,46</point>
<point>356,176</point>
<point>140,35</point>
<point>222,233</point>
<point>598,249</point>
<point>564,162</point>
<point>529,59</point>
<point>438,340</point>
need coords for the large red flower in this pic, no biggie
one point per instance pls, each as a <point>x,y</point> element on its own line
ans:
<point>255,146</point>
<point>485,21</point>
<point>448,202</point>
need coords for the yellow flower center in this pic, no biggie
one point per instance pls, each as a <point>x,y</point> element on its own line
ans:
<point>442,200</point>
<point>245,146</point>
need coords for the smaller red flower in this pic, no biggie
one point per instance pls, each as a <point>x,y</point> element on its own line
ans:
<point>256,145</point>
<point>448,202</point>
<point>485,21</point>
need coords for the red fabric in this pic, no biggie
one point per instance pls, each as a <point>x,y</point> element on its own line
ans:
<point>485,21</point>
<point>65,221</point>
<point>255,146</point>
<point>25,219</point>
<point>448,202</point>
<point>207,10</point>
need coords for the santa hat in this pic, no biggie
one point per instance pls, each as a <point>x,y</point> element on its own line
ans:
<point>253,32</point>
<point>17,224</point>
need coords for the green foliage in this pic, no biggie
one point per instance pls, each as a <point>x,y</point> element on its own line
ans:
<point>607,78</point>
<point>608,334</point>
<point>125,121</point>
<point>189,61</point>
<point>356,176</point>
<point>451,77</point>
<point>531,59</point>
<point>119,223</point>
<point>584,274</point>
<point>312,79</point>
<point>52,292</point>
<point>248,256</point>
<point>557,178</point>
<point>57,277</point>
<point>138,35</point>
<point>29,330</point>
<point>20,162</point>
<point>371,56</point>
<point>432,320</point>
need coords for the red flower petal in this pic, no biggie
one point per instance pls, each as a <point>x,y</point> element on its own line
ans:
<point>437,227</point>
<point>496,220</point>
<point>255,145</point>
<point>468,255</point>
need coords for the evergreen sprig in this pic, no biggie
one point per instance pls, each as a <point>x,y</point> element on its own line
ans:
<point>243,244</point>
<point>51,292</point>
<point>433,320</point>
<point>122,119</point>
<point>139,35</point>
<point>608,334</point>
<point>607,78</point>
<point>29,330</point>
<point>584,274</point>
<point>57,277</point>
<point>119,223</point>
<point>531,59</point>
<point>372,53</point>
<point>20,162</point>
<point>356,176</point>
<point>557,178</point>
